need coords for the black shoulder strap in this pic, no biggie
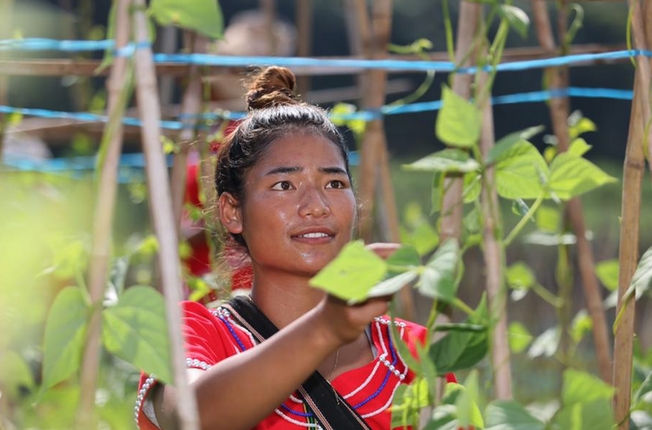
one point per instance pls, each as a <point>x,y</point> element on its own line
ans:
<point>332,411</point>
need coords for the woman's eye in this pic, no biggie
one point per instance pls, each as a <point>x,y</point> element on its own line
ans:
<point>282,186</point>
<point>336,184</point>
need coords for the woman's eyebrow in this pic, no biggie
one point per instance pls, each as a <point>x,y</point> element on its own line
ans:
<point>284,169</point>
<point>333,170</point>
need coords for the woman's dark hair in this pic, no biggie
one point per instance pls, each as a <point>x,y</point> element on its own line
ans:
<point>273,111</point>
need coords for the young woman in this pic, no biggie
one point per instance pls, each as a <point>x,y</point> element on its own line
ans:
<point>285,195</point>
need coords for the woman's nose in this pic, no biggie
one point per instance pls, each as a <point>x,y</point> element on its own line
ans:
<point>314,203</point>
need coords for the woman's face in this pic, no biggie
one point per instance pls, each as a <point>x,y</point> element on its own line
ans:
<point>299,208</point>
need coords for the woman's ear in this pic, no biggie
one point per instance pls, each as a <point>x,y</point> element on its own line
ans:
<point>230,213</point>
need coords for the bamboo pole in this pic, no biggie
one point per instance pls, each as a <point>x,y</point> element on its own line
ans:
<point>162,217</point>
<point>493,254</point>
<point>630,222</point>
<point>375,176</point>
<point>452,205</point>
<point>117,86</point>
<point>6,11</point>
<point>559,112</point>
<point>304,40</point>
<point>190,108</point>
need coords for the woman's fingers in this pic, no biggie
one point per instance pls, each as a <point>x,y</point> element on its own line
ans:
<point>384,249</point>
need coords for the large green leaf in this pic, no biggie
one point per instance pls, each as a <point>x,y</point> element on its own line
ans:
<point>65,333</point>
<point>447,160</point>
<point>437,280</point>
<point>642,279</point>
<point>406,256</point>
<point>461,349</point>
<point>393,284</point>
<point>517,18</point>
<point>586,402</point>
<point>136,331</point>
<point>204,16</point>
<point>519,337</point>
<point>571,176</point>
<point>498,151</point>
<point>352,274</point>
<point>521,171</point>
<point>510,415</point>
<point>608,272</point>
<point>459,121</point>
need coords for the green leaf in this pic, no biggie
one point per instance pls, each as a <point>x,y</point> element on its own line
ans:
<point>424,238</point>
<point>393,284</point>
<point>579,125</point>
<point>546,344</point>
<point>203,16</point>
<point>461,350</point>
<point>15,374</point>
<point>582,387</point>
<point>510,415</point>
<point>571,176</point>
<point>447,160</point>
<point>579,147</point>
<point>504,145</point>
<point>607,272</point>
<point>582,324</point>
<point>642,278</point>
<point>468,413</point>
<point>472,186</point>
<point>519,337</point>
<point>438,277</point>
<point>459,121</point>
<point>352,274</point>
<point>521,171</point>
<point>643,390</point>
<point>65,333</point>
<point>587,402</point>
<point>408,401</point>
<point>339,113</point>
<point>548,219</point>
<point>520,276</point>
<point>518,20</point>
<point>136,331</point>
<point>406,256</point>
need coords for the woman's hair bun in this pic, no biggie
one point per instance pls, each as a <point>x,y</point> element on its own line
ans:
<point>272,86</point>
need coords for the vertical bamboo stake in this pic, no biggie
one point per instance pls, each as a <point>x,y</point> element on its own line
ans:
<point>559,112</point>
<point>493,254</point>
<point>190,108</point>
<point>630,223</point>
<point>6,10</point>
<point>103,219</point>
<point>374,161</point>
<point>162,217</point>
<point>452,206</point>
<point>304,40</point>
<point>268,7</point>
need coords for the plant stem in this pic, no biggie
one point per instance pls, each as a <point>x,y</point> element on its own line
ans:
<point>546,295</point>
<point>530,213</point>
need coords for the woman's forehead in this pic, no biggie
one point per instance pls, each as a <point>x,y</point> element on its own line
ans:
<point>304,148</point>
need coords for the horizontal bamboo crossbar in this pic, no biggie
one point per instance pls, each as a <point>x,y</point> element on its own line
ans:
<point>66,67</point>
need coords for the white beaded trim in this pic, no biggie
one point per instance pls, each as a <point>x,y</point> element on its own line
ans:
<point>297,422</point>
<point>141,395</point>
<point>193,363</point>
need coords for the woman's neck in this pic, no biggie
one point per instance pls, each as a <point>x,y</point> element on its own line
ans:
<point>283,299</point>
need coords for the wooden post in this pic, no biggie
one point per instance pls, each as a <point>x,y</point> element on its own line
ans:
<point>630,221</point>
<point>304,40</point>
<point>559,112</point>
<point>117,86</point>
<point>493,254</point>
<point>375,176</point>
<point>190,108</point>
<point>162,217</point>
<point>452,206</point>
<point>6,11</point>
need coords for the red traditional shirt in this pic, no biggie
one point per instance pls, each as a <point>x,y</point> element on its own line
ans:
<point>213,335</point>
